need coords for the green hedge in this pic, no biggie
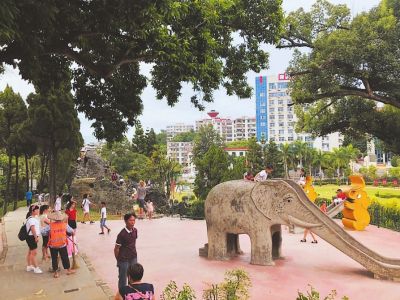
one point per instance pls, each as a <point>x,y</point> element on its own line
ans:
<point>387,216</point>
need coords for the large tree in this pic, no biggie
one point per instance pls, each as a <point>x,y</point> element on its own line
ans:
<point>54,126</point>
<point>12,115</point>
<point>348,62</point>
<point>103,43</point>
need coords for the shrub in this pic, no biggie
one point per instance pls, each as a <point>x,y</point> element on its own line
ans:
<point>196,210</point>
<point>385,214</point>
<point>172,292</point>
<point>314,295</point>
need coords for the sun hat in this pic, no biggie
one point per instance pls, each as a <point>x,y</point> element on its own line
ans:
<point>57,216</point>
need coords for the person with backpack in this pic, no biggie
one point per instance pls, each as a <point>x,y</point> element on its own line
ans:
<point>32,227</point>
<point>136,289</point>
<point>57,233</point>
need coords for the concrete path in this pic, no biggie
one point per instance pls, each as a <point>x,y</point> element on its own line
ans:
<point>16,283</point>
<point>168,250</point>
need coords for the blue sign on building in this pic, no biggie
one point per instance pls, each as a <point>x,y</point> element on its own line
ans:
<point>261,108</point>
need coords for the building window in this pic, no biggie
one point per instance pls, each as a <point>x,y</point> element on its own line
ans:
<point>272,132</point>
<point>233,154</point>
<point>262,111</point>
<point>263,104</point>
<point>263,124</point>
<point>281,117</point>
<point>281,124</point>
<point>290,139</point>
<point>272,86</point>
<point>271,110</point>
<point>262,94</point>
<point>282,85</point>
<point>272,117</point>
<point>271,124</point>
<point>280,102</point>
<point>272,139</point>
<point>240,153</point>
<point>280,109</point>
<point>290,116</point>
<point>281,131</point>
<point>263,117</point>
<point>271,102</point>
<point>290,131</point>
<point>281,139</point>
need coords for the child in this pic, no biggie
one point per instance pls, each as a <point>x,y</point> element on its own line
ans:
<point>340,197</point>
<point>150,209</point>
<point>86,203</point>
<point>57,233</point>
<point>103,218</point>
<point>44,221</point>
<point>70,210</point>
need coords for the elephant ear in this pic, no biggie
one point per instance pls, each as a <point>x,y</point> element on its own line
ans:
<point>267,197</point>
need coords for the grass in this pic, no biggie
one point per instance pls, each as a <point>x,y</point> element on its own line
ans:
<point>179,195</point>
<point>95,214</point>
<point>380,194</point>
<point>10,206</point>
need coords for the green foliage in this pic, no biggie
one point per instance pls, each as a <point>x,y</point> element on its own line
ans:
<point>172,292</point>
<point>183,41</point>
<point>313,294</point>
<point>370,172</point>
<point>161,138</point>
<point>237,168</point>
<point>395,172</point>
<point>395,161</point>
<point>348,69</point>
<point>211,170</point>
<point>385,213</point>
<point>234,287</point>
<point>255,156</point>
<point>185,136</point>
<point>273,156</point>
<point>238,144</point>
<point>196,209</point>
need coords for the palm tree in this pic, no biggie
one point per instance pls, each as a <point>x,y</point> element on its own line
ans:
<point>318,160</point>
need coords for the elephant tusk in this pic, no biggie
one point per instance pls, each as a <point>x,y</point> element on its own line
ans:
<point>300,223</point>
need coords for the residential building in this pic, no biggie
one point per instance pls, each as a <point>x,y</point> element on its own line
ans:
<point>177,128</point>
<point>276,119</point>
<point>224,126</point>
<point>236,151</point>
<point>180,151</point>
<point>230,130</point>
<point>244,128</point>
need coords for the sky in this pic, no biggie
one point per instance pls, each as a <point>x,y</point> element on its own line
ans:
<point>157,114</point>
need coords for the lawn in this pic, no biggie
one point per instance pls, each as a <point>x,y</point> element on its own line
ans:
<point>383,195</point>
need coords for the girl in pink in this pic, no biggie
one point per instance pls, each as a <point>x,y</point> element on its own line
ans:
<point>150,209</point>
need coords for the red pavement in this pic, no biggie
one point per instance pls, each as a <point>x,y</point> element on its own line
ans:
<point>168,250</point>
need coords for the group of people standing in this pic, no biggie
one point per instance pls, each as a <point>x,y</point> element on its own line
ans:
<point>145,207</point>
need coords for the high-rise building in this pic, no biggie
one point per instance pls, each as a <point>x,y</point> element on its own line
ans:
<point>180,151</point>
<point>224,126</point>
<point>230,130</point>
<point>177,128</point>
<point>244,128</point>
<point>275,117</point>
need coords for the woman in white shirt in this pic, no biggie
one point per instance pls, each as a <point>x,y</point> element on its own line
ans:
<point>33,229</point>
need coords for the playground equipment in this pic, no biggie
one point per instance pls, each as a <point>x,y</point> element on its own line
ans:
<point>309,189</point>
<point>259,208</point>
<point>355,212</point>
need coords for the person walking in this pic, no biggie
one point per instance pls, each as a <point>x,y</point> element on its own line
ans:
<point>58,203</point>
<point>150,209</point>
<point>28,197</point>
<point>136,289</point>
<point>57,233</point>
<point>103,218</point>
<point>44,221</point>
<point>86,209</point>
<point>33,229</point>
<point>141,195</point>
<point>125,249</point>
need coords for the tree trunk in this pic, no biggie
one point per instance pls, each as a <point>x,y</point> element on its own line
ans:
<point>27,172</point>
<point>16,182</point>
<point>8,183</point>
<point>31,173</point>
<point>52,177</point>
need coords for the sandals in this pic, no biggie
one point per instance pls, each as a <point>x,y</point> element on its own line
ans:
<point>314,242</point>
<point>303,240</point>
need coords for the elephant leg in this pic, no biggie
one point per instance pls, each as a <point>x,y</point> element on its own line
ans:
<point>233,245</point>
<point>217,245</point>
<point>261,248</point>
<point>276,236</point>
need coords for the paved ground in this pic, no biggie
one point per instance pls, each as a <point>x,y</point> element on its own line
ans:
<point>16,283</point>
<point>168,250</point>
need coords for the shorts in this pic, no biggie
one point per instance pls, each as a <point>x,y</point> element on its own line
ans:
<point>72,224</point>
<point>141,203</point>
<point>102,222</point>
<point>85,211</point>
<point>45,241</point>
<point>30,240</point>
